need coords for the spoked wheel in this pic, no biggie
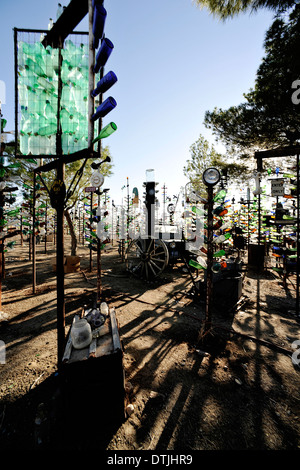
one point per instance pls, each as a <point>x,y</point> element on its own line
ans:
<point>147,258</point>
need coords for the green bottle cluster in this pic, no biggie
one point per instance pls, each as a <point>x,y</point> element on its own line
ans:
<point>38,97</point>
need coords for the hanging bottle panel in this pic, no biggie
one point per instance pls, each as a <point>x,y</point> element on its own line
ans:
<point>38,94</point>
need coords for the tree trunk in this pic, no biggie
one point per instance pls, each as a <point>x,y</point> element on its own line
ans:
<point>72,233</point>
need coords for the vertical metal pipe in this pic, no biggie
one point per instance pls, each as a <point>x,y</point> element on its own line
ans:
<point>60,275</point>
<point>46,228</point>
<point>209,277</point>
<point>99,284</point>
<point>259,219</point>
<point>21,229</point>
<point>1,230</point>
<point>91,75</point>
<point>33,237</point>
<point>16,87</point>
<point>298,243</point>
<point>91,251</point>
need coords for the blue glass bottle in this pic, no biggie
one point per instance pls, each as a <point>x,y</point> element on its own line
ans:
<point>97,2</point>
<point>105,83</point>
<point>99,18</point>
<point>104,108</point>
<point>103,54</point>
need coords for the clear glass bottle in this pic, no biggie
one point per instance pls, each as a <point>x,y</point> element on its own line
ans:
<point>81,333</point>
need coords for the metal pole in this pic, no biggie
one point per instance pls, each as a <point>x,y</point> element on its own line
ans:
<point>16,87</point>
<point>99,284</point>
<point>209,278</point>
<point>46,229</point>
<point>33,238</point>
<point>60,275</point>
<point>1,222</point>
<point>91,251</point>
<point>298,243</point>
<point>91,101</point>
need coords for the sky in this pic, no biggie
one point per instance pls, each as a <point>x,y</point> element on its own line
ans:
<point>174,61</point>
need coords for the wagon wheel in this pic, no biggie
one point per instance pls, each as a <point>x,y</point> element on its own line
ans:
<point>147,258</point>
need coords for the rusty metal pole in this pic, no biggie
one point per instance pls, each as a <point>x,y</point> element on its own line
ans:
<point>91,251</point>
<point>60,275</point>
<point>298,241</point>
<point>209,278</point>
<point>33,237</point>
<point>1,220</point>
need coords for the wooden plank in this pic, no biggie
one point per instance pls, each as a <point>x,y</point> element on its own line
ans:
<point>115,330</point>
<point>66,23</point>
<point>105,346</point>
<point>92,348</point>
<point>68,350</point>
<point>279,152</point>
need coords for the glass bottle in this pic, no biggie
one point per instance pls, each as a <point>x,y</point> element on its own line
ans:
<point>220,196</point>
<point>99,18</point>
<point>34,67</point>
<point>59,10</point>
<point>219,253</point>
<point>202,262</point>
<point>195,264</point>
<point>24,143</point>
<point>81,333</point>
<point>103,54</point>
<point>219,239</point>
<point>108,105</point>
<point>105,83</point>
<point>106,132</point>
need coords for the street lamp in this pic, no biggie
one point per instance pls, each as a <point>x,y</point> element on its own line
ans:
<point>211,177</point>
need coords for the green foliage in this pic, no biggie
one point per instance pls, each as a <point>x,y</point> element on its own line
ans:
<point>229,8</point>
<point>204,156</point>
<point>268,117</point>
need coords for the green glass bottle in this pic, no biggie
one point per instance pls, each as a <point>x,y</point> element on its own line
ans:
<point>47,130</point>
<point>220,196</point>
<point>219,253</point>
<point>216,267</point>
<point>35,67</point>
<point>195,265</point>
<point>106,132</point>
<point>198,210</point>
<point>65,120</point>
<point>14,165</point>
<point>13,212</point>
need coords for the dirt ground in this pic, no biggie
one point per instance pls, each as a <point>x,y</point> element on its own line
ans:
<point>236,390</point>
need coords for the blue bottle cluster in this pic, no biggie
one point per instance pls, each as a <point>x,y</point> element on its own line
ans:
<point>105,48</point>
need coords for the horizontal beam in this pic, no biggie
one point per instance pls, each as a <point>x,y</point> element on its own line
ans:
<point>74,157</point>
<point>279,152</point>
<point>72,15</point>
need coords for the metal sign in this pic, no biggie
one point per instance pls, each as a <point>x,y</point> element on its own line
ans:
<point>277,188</point>
<point>90,189</point>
